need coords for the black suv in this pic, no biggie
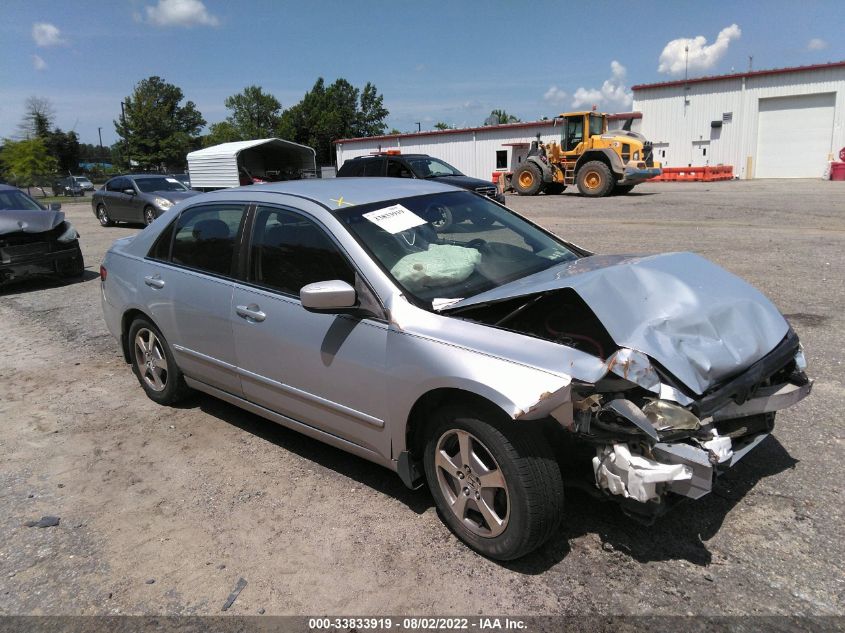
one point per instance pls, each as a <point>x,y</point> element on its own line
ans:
<point>418,166</point>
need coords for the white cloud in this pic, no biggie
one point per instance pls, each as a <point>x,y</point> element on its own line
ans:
<point>180,13</point>
<point>555,96</point>
<point>612,94</point>
<point>702,56</point>
<point>38,63</point>
<point>46,34</point>
<point>817,44</point>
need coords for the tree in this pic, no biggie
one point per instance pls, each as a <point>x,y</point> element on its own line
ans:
<point>157,132</point>
<point>500,117</point>
<point>255,114</point>
<point>38,118</point>
<point>223,132</point>
<point>326,114</point>
<point>64,147</point>
<point>440,125</point>
<point>27,162</point>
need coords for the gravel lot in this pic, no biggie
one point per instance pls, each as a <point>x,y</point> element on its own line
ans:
<point>163,510</point>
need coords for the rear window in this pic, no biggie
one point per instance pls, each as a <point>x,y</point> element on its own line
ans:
<point>351,168</point>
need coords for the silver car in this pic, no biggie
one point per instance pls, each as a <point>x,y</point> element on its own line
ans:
<point>463,359</point>
<point>137,198</point>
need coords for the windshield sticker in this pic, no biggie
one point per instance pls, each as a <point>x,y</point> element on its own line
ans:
<point>394,219</point>
<point>172,180</point>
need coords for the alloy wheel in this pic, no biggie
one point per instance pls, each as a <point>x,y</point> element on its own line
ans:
<point>472,483</point>
<point>150,360</point>
<point>103,215</point>
<point>149,216</point>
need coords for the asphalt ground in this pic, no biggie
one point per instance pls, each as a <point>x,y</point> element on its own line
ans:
<point>163,510</point>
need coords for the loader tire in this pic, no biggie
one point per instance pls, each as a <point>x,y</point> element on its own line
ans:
<point>527,180</point>
<point>595,179</point>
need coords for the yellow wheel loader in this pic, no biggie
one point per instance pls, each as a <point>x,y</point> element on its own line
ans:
<point>597,161</point>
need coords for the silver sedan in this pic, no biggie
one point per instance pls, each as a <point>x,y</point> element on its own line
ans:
<point>137,198</point>
<point>464,359</point>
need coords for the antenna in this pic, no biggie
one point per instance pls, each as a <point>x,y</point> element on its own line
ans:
<point>750,63</point>
<point>686,62</point>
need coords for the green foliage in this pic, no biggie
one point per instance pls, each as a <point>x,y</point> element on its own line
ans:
<point>27,162</point>
<point>255,114</point>
<point>500,117</point>
<point>440,125</point>
<point>156,131</point>
<point>64,147</point>
<point>223,132</point>
<point>326,114</point>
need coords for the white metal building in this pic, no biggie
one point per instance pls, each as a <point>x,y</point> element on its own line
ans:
<point>477,152</point>
<point>780,123</point>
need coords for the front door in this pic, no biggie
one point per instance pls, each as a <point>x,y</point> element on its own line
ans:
<point>324,370</point>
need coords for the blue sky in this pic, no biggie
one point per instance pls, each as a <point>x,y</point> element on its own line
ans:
<point>451,61</point>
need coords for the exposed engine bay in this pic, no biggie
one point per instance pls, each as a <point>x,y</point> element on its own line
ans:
<point>654,439</point>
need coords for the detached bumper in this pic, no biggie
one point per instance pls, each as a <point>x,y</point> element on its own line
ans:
<point>634,175</point>
<point>12,268</point>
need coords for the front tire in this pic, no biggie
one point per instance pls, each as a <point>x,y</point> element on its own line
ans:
<point>103,215</point>
<point>594,179</point>
<point>527,179</point>
<point>495,482</point>
<point>149,215</point>
<point>154,365</point>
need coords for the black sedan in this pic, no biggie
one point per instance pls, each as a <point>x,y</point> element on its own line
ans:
<point>137,198</point>
<point>35,240</point>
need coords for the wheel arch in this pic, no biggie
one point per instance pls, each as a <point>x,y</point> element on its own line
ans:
<point>607,156</point>
<point>418,418</point>
<point>125,323</point>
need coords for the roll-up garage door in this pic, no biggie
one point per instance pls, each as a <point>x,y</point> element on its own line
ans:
<point>794,136</point>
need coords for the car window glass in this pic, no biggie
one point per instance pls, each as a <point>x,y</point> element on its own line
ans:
<point>205,237</point>
<point>289,251</point>
<point>374,167</point>
<point>451,245</point>
<point>397,169</point>
<point>159,183</point>
<point>17,200</point>
<point>428,167</point>
<point>115,184</point>
<point>161,247</point>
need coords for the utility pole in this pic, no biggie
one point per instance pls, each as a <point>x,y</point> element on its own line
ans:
<point>125,131</point>
<point>750,63</point>
<point>419,126</point>
<point>100,134</point>
<point>686,62</point>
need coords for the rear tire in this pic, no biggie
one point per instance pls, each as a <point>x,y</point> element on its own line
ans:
<point>495,482</point>
<point>527,179</point>
<point>154,365</point>
<point>594,179</point>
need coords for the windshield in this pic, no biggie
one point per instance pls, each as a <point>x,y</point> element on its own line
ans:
<point>18,201</point>
<point>449,246</point>
<point>159,183</point>
<point>81,180</point>
<point>427,167</point>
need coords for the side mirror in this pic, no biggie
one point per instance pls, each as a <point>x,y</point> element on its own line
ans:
<point>333,297</point>
<point>55,206</point>
<point>129,191</point>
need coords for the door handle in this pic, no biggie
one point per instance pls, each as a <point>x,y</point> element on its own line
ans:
<point>154,281</point>
<point>252,311</point>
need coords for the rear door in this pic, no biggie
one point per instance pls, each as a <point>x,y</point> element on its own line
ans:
<point>187,285</point>
<point>117,202</point>
<point>325,370</point>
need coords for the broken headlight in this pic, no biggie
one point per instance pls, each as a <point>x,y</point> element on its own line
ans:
<point>68,235</point>
<point>665,416</point>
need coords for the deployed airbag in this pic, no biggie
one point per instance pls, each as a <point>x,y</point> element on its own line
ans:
<point>439,265</point>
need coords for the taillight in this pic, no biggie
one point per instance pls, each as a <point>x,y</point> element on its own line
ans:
<point>103,273</point>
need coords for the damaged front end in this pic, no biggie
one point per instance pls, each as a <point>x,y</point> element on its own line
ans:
<point>654,439</point>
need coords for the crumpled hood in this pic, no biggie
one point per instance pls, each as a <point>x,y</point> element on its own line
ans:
<point>699,321</point>
<point>175,196</point>
<point>29,221</point>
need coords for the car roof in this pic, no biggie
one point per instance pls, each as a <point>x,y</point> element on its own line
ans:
<point>387,154</point>
<point>345,192</point>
